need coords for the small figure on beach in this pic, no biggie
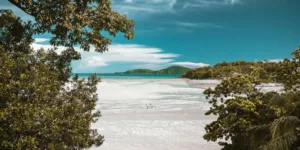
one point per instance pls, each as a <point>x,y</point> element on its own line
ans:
<point>149,106</point>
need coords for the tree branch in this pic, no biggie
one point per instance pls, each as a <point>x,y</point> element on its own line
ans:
<point>26,10</point>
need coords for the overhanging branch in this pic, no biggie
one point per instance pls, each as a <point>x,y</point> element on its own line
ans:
<point>19,5</point>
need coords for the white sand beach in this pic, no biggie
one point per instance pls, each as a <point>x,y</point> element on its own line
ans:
<point>154,114</point>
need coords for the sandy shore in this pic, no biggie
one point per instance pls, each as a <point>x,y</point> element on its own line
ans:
<point>155,114</point>
<point>152,114</point>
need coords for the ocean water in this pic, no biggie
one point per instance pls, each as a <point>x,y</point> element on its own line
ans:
<point>128,76</point>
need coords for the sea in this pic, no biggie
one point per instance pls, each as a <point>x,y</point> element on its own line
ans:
<point>130,76</point>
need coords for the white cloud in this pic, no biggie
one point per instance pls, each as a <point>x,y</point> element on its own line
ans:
<point>128,1</point>
<point>198,25</point>
<point>40,40</point>
<point>209,3</point>
<point>95,61</point>
<point>37,46</point>
<point>117,53</point>
<point>142,8</point>
<point>190,64</point>
<point>126,53</point>
<point>187,24</point>
<point>140,55</point>
<point>134,7</point>
<point>130,9</point>
<point>233,1</point>
<point>274,60</point>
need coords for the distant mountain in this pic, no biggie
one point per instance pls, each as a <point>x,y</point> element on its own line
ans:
<point>137,71</point>
<point>169,70</point>
<point>174,70</point>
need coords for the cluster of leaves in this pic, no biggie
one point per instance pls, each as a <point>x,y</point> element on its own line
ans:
<point>221,70</point>
<point>36,109</point>
<point>80,22</point>
<point>252,119</point>
<point>40,106</point>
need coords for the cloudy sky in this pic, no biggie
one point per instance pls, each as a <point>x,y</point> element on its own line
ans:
<point>194,33</point>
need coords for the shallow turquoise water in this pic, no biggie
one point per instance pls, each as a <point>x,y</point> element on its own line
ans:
<point>133,76</point>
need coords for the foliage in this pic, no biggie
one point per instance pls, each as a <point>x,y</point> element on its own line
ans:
<point>36,112</point>
<point>288,71</point>
<point>222,70</point>
<point>169,70</point>
<point>252,119</point>
<point>40,107</point>
<point>74,22</point>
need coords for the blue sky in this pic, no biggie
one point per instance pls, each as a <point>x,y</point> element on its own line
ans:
<point>194,33</point>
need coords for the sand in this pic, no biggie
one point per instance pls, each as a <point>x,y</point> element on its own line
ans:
<point>155,114</point>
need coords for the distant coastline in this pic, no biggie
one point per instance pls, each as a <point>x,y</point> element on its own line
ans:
<point>129,76</point>
<point>170,70</point>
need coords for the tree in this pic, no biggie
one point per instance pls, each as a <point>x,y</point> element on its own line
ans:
<point>40,107</point>
<point>74,22</point>
<point>288,72</point>
<point>221,70</point>
<point>252,119</point>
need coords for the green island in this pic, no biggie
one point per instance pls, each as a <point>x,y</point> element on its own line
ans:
<point>169,70</point>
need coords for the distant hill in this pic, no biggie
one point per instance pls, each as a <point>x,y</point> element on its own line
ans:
<point>169,70</point>
<point>137,71</point>
<point>173,70</point>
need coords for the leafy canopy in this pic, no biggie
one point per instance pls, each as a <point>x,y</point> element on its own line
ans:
<point>224,69</point>
<point>37,110</point>
<point>74,22</point>
<point>40,107</point>
<point>254,119</point>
